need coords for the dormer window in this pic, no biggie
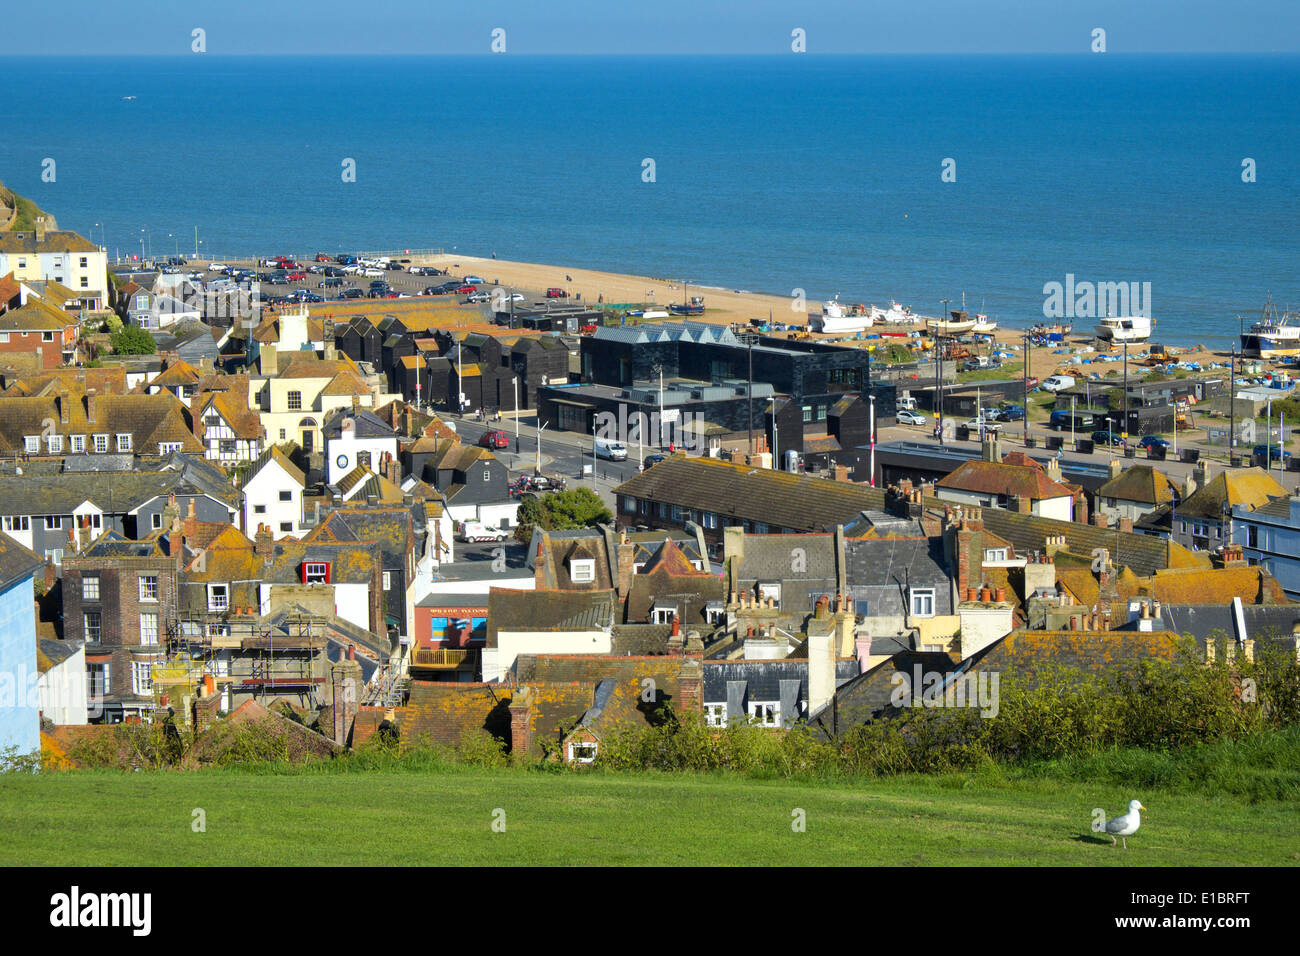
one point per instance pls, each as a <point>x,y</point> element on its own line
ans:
<point>664,613</point>
<point>995,554</point>
<point>770,590</point>
<point>582,570</point>
<point>315,572</point>
<point>922,600</point>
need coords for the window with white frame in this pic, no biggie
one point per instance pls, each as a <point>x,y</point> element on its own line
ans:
<point>17,523</point>
<point>4,336</point>
<point>47,336</point>
<point>148,628</point>
<point>582,752</point>
<point>294,400</point>
<point>123,441</point>
<point>770,589</point>
<point>715,715</point>
<point>664,613</point>
<point>582,570</point>
<point>32,444</point>
<point>315,572</point>
<point>388,581</point>
<point>53,522</point>
<point>995,554</point>
<point>90,587</point>
<point>167,447</point>
<point>218,597</point>
<point>259,509</point>
<point>148,587</point>
<point>55,444</point>
<point>92,622</point>
<point>765,713</point>
<point>97,681</point>
<point>101,444</point>
<point>922,602</point>
<point>155,520</point>
<point>141,678</point>
<point>715,612</point>
<point>78,443</point>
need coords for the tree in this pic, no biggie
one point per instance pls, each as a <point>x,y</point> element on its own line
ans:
<point>132,340</point>
<point>561,510</point>
<point>112,324</point>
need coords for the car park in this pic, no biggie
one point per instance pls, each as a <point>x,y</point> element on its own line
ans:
<point>908,417</point>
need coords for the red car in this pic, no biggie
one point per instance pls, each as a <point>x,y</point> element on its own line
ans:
<point>494,439</point>
<point>321,257</point>
<point>466,289</point>
<point>556,294</point>
<point>296,276</point>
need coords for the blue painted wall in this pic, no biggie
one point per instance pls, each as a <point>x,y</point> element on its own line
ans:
<point>19,710</point>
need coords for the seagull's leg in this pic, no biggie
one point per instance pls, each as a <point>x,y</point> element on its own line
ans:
<point>1125,839</point>
<point>1113,841</point>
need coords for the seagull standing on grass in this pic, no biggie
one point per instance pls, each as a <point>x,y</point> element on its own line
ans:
<point>1125,826</point>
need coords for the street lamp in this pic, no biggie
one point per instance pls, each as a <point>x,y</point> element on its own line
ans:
<point>775,457</point>
<point>537,469</point>
<point>873,441</point>
<point>515,382</point>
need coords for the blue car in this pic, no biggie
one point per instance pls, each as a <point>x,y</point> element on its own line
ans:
<point>1106,438</point>
<point>1278,454</point>
<point>1153,441</point>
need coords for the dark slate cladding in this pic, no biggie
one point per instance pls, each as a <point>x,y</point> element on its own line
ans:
<point>867,696</point>
<point>881,570</point>
<point>763,679</point>
<point>1271,622</point>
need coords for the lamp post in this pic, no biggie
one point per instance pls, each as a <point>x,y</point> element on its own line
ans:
<point>873,441</point>
<point>775,456</point>
<point>515,382</point>
<point>537,469</point>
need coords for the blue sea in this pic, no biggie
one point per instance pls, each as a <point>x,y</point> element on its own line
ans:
<point>775,173</point>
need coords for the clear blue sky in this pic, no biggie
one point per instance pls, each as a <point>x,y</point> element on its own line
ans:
<point>163,27</point>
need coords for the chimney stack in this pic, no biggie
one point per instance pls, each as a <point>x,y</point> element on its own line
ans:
<point>91,406</point>
<point>264,543</point>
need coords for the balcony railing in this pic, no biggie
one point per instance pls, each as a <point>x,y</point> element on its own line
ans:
<point>445,658</point>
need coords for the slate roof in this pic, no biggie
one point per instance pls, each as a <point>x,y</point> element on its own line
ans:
<point>1143,484</point>
<point>56,240</point>
<point>37,316</point>
<point>547,610</point>
<point>149,419</point>
<point>112,493</point>
<point>16,562</point>
<point>365,422</point>
<point>280,458</point>
<point>763,678</point>
<point>776,498</point>
<point>880,571</point>
<point>1251,487</point>
<point>1201,621</point>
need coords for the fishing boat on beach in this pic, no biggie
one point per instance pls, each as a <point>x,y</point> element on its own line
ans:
<point>959,323</point>
<point>895,315</point>
<point>983,326</point>
<point>695,307</point>
<point>837,318</point>
<point>1273,336</point>
<point>1126,328</point>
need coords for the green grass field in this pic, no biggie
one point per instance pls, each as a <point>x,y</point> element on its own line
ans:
<point>445,817</point>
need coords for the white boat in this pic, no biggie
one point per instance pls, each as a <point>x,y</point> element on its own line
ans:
<point>836,318</point>
<point>1273,336</point>
<point>959,324</point>
<point>895,315</point>
<point>1124,328</point>
<point>983,326</point>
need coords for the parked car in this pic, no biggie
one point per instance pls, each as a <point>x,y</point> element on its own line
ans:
<point>334,271</point>
<point>908,417</point>
<point>1058,383</point>
<point>394,267</point>
<point>434,290</point>
<point>1105,437</point>
<point>1011,413</point>
<point>1153,441</point>
<point>333,282</point>
<point>495,438</point>
<point>346,260</point>
<point>479,296</point>
<point>556,294</point>
<point>372,271</point>
<point>652,460</point>
<point>984,424</point>
<point>474,280</point>
<point>466,289</point>
<point>321,257</point>
<point>216,267</point>
<point>1031,381</point>
<point>1277,453</point>
<point>296,276</point>
<point>352,294</point>
<point>278,279</point>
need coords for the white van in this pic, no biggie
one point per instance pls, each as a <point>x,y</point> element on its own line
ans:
<point>907,403</point>
<point>1058,383</point>
<point>610,449</point>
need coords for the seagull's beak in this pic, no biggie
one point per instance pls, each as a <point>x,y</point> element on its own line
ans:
<point>1140,807</point>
